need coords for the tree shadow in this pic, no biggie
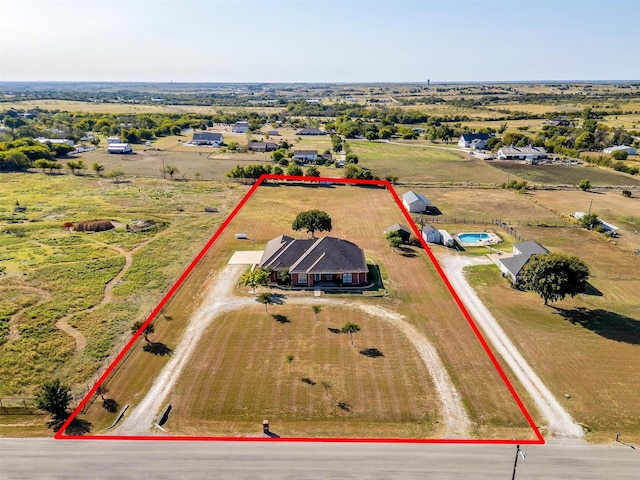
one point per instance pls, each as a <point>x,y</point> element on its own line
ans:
<point>344,406</point>
<point>591,290</point>
<point>278,298</point>
<point>280,318</point>
<point>110,405</point>
<point>308,381</point>
<point>407,252</point>
<point>157,348</point>
<point>607,324</point>
<point>334,330</point>
<point>372,353</point>
<point>78,426</point>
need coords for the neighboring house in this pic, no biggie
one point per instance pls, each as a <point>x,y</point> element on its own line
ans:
<point>310,131</point>
<point>240,127</point>
<point>522,153</point>
<point>473,140</point>
<point>305,156</point>
<point>403,231</point>
<point>273,133</point>
<point>622,148</point>
<point>111,140</point>
<point>262,146</point>
<point>414,202</point>
<point>522,253</point>
<point>447,239</point>
<point>119,148</point>
<point>207,138</point>
<point>313,261</point>
<point>431,234</point>
<point>56,141</point>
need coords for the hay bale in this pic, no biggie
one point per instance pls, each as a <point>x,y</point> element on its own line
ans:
<point>93,226</point>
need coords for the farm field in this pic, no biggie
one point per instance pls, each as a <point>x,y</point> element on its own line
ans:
<point>50,275</point>
<point>415,292</point>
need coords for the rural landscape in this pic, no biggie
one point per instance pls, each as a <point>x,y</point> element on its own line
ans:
<point>109,192</point>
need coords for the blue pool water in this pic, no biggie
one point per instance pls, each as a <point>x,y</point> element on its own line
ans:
<point>473,237</point>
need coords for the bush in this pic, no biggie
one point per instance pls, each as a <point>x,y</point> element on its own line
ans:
<point>619,155</point>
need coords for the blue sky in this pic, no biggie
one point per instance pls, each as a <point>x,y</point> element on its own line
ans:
<point>319,40</point>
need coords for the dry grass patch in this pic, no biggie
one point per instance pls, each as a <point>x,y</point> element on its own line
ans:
<point>240,376</point>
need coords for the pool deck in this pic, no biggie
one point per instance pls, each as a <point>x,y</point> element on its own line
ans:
<point>492,240</point>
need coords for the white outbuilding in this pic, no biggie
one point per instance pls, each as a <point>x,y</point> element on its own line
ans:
<point>120,148</point>
<point>415,202</point>
<point>621,148</point>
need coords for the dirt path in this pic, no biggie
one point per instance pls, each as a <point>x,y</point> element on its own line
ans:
<point>220,298</point>
<point>558,420</point>
<point>63,325</point>
<point>14,331</point>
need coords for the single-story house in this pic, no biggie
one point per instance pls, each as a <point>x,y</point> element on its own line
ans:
<point>240,127</point>
<point>119,148</point>
<point>305,156</point>
<point>273,133</point>
<point>522,153</point>
<point>522,253</point>
<point>207,138</point>
<point>415,202</point>
<point>111,140</point>
<point>403,231</point>
<point>262,146</point>
<point>473,140</point>
<point>310,131</point>
<point>621,148</point>
<point>447,239</point>
<point>431,234</point>
<point>314,261</point>
<point>56,141</point>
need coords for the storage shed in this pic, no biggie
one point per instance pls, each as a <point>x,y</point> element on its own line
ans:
<point>415,202</point>
<point>431,234</point>
<point>403,231</point>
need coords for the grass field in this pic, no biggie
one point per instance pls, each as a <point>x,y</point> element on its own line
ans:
<point>415,291</point>
<point>49,272</point>
<point>231,393</point>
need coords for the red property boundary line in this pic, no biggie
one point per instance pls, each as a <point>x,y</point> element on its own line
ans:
<point>320,180</point>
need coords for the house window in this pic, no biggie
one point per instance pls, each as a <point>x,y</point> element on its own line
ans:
<point>279,275</point>
<point>329,276</point>
<point>346,278</point>
<point>317,277</point>
<point>302,278</point>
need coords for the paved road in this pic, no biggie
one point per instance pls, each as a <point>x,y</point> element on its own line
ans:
<point>95,459</point>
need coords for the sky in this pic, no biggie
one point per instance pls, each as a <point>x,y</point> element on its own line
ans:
<point>319,40</point>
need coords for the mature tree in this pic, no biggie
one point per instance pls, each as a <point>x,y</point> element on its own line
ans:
<point>266,300</point>
<point>294,170</point>
<point>350,328</point>
<point>312,221</point>
<point>54,397</point>
<point>312,171</point>
<point>148,330</point>
<point>585,185</point>
<point>101,391</point>
<point>394,239</point>
<point>590,221</point>
<point>351,158</point>
<point>98,168</point>
<point>290,358</point>
<point>277,170</point>
<point>553,276</point>
<point>44,164</point>
<point>316,310</point>
<point>619,155</point>
<point>171,171</point>
<point>115,174</point>
<point>585,140</point>
<point>255,278</point>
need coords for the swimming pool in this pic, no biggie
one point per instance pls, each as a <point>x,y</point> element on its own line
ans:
<point>477,239</point>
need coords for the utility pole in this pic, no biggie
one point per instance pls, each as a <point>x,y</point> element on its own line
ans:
<point>590,203</point>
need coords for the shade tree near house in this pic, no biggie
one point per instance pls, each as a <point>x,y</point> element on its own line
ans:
<point>255,278</point>
<point>553,276</point>
<point>266,300</point>
<point>312,221</point>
